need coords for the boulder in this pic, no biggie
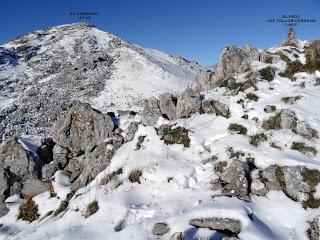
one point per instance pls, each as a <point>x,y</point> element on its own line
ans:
<point>160,228</point>
<point>217,107</point>
<point>295,186</point>
<point>151,112</point>
<point>288,119</point>
<point>167,104</point>
<point>304,129</point>
<point>258,187</point>
<point>189,102</point>
<point>81,128</point>
<point>269,108</point>
<point>285,119</point>
<point>215,223</point>
<point>234,179</point>
<point>17,161</point>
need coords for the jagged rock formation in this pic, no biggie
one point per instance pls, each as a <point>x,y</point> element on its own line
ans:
<point>233,60</point>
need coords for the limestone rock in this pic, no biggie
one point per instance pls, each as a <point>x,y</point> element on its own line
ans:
<point>295,186</point>
<point>216,223</point>
<point>304,129</point>
<point>81,128</point>
<point>151,111</point>
<point>288,119</point>
<point>234,179</point>
<point>160,228</point>
<point>167,104</point>
<point>189,102</point>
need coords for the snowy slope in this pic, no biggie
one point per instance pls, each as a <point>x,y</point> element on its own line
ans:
<point>43,71</point>
<point>176,181</point>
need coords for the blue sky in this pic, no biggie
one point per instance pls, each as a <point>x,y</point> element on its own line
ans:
<point>195,29</point>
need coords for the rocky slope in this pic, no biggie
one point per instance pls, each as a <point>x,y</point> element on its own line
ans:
<point>234,157</point>
<point>43,71</point>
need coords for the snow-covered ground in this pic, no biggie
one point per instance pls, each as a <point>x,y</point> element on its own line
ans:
<point>176,181</point>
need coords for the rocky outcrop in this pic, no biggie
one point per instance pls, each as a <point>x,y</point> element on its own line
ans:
<point>189,102</point>
<point>233,60</point>
<point>233,180</point>
<point>20,171</point>
<point>85,143</point>
<point>81,128</point>
<point>286,119</point>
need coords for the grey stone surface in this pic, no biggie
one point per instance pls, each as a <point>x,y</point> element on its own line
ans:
<point>216,223</point>
<point>33,187</point>
<point>233,60</point>
<point>160,228</point>
<point>258,187</point>
<point>151,111</point>
<point>189,102</point>
<point>234,179</point>
<point>167,104</point>
<point>305,130</point>
<point>131,131</point>
<point>81,128</point>
<point>288,119</point>
<point>295,186</point>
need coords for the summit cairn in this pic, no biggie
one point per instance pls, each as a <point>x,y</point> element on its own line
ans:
<point>291,40</point>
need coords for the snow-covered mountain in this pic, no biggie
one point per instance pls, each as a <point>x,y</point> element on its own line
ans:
<point>43,71</point>
<point>234,157</point>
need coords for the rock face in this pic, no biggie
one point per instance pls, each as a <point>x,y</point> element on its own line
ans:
<point>151,112</point>
<point>295,185</point>
<point>20,172</point>
<point>81,128</point>
<point>167,104</point>
<point>85,143</point>
<point>233,179</point>
<point>233,60</point>
<point>215,223</point>
<point>189,102</point>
